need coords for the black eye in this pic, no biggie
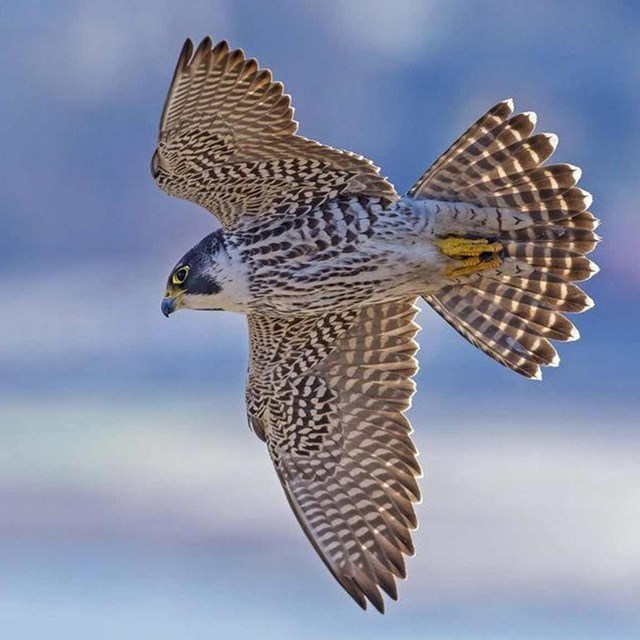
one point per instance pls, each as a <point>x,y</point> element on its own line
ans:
<point>180,275</point>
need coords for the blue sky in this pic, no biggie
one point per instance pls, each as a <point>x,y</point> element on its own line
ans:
<point>130,483</point>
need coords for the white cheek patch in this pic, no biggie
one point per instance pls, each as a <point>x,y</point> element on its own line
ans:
<point>231,274</point>
<point>202,302</point>
<point>232,296</point>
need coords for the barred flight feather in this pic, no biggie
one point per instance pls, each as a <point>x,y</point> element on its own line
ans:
<point>355,496</point>
<point>228,142</point>
<point>538,215</point>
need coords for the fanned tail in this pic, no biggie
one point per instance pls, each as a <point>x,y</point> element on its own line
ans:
<point>537,214</point>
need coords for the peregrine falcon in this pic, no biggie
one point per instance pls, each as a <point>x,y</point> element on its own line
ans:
<point>327,260</point>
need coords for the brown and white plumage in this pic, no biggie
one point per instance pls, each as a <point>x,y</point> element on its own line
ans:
<point>328,394</point>
<point>227,142</point>
<point>326,261</point>
<point>512,312</point>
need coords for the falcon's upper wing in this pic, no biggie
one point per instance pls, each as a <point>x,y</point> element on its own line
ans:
<point>327,394</point>
<point>227,143</point>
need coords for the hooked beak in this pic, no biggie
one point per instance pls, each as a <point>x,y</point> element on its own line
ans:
<point>168,306</point>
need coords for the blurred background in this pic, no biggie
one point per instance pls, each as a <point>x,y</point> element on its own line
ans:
<point>134,501</point>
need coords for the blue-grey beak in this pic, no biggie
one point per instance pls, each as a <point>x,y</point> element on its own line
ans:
<point>168,306</point>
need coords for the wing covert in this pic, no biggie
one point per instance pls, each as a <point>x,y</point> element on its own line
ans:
<point>227,142</point>
<point>328,395</point>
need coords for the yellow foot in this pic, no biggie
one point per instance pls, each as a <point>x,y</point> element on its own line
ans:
<point>471,265</point>
<point>454,246</point>
<point>475,255</point>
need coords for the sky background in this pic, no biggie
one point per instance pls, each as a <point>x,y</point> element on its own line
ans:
<point>134,501</point>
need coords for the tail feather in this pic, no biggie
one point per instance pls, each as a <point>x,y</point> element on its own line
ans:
<point>583,220</point>
<point>493,342</point>
<point>485,125</point>
<point>531,188</point>
<point>521,156</point>
<point>554,259</point>
<point>568,238</point>
<point>519,195</point>
<point>550,324</point>
<point>551,290</point>
<point>445,183</point>
<point>526,336</point>
<point>538,214</point>
<point>567,205</point>
<point>509,134</point>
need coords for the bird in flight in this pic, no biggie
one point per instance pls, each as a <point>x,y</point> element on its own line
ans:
<point>327,261</point>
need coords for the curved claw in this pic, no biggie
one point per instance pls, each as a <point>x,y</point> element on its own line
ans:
<point>475,254</point>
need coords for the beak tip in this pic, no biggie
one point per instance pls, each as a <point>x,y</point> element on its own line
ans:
<point>168,306</point>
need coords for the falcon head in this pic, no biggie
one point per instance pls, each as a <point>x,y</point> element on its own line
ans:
<point>207,278</point>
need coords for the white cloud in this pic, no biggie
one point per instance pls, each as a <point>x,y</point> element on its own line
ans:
<point>396,30</point>
<point>102,309</point>
<point>546,513</point>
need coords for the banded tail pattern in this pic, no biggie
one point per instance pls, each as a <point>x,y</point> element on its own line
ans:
<point>541,219</point>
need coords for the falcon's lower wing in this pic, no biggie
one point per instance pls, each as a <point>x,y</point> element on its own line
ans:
<point>328,394</point>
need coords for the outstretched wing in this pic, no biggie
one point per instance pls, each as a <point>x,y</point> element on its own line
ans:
<point>328,395</point>
<point>227,143</point>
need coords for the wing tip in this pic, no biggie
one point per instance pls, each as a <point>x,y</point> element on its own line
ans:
<point>187,51</point>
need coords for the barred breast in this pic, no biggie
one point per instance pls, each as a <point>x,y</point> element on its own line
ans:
<point>349,252</point>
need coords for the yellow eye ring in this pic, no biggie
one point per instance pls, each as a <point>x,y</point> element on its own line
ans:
<point>180,275</point>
